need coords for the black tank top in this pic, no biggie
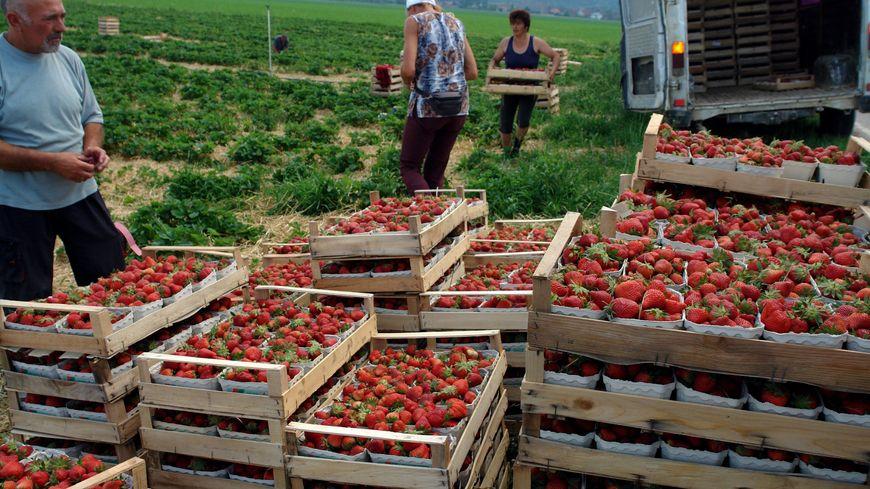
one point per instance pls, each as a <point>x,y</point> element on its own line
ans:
<point>527,60</point>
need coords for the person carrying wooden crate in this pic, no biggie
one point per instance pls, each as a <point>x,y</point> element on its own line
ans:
<point>521,51</point>
<point>51,137</point>
<point>437,65</point>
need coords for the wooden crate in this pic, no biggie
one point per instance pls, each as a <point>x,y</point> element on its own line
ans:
<point>135,467</point>
<point>420,279</point>
<point>648,168</point>
<point>108,26</point>
<point>395,87</point>
<point>559,456</point>
<point>400,323</point>
<point>446,462</point>
<point>517,82</point>
<point>450,321</point>
<point>120,428</point>
<point>417,241</point>
<point>162,479</point>
<point>479,259</point>
<point>477,207</point>
<point>107,343</point>
<point>608,341</point>
<point>780,83</point>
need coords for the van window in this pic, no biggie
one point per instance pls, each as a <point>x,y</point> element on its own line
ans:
<point>639,10</point>
<point>643,75</point>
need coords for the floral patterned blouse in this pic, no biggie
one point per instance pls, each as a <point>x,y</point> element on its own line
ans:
<point>440,61</point>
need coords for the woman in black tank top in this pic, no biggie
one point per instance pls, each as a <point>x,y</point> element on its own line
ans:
<point>520,51</point>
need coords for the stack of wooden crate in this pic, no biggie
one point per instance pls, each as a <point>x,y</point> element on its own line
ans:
<point>785,36</point>
<point>108,26</point>
<point>629,344</point>
<point>753,35</point>
<point>550,101</point>
<point>112,387</point>
<point>564,56</point>
<point>695,42</point>
<point>472,458</point>
<point>395,82</point>
<point>720,53</point>
<point>416,247</point>
<point>275,407</point>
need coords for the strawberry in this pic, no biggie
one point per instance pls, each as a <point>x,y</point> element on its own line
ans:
<point>625,308</point>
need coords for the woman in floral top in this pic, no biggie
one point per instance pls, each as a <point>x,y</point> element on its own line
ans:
<point>438,63</point>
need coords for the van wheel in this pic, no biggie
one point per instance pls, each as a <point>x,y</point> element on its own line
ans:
<point>837,122</point>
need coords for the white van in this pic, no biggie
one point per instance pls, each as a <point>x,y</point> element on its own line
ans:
<point>747,60</point>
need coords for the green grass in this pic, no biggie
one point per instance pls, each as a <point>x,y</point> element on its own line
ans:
<point>486,24</point>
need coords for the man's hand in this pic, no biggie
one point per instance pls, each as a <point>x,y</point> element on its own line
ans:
<point>98,157</point>
<point>72,166</point>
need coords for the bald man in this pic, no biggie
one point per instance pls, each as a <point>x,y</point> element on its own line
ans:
<point>51,137</point>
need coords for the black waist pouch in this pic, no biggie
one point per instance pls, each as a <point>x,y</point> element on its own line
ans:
<point>445,104</point>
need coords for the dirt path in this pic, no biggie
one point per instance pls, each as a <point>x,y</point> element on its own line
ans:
<point>342,78</point>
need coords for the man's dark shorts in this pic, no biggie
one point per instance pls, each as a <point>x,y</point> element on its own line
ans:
<point>94,246</point>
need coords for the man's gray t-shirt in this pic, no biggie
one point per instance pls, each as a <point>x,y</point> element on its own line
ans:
<point>45,101</point>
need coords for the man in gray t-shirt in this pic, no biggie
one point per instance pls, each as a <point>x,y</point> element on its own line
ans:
<point>51,136</point>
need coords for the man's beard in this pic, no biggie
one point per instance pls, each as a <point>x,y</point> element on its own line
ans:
<point>48,46</point>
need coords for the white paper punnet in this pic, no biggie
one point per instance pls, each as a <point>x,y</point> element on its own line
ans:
<point>766,407</point>
<point>687,394</point>
<point>752,333</point>
<point>843,418</point>
<point>767,171</point>
<point>180,428</point>
<point>738,461</point>
<point>120,324</point>
<point>381,458</point>
<point>315,452</point>
<point>238,435</point>
<point>657,391</point>
<point>627,448</point>
<point>831,474</point>
<point>728,163</point>
<point>557,378</point>
<point>798,170</point>
<point>672,158</point>
<point>580,313</point>
<point>857,344</point>
<point>819,340</point>
<point>583,441</point>
<point>693,456</point>
<point>843,175</point>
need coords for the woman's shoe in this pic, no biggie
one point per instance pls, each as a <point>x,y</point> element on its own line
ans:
<point>515,150</point>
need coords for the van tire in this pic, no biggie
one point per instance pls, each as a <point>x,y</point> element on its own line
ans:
<point>837,122</point>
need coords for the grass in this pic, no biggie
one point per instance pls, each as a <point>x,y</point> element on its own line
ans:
<point>486,24</point>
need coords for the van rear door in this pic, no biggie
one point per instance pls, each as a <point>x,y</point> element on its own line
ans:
<point>644,54</point>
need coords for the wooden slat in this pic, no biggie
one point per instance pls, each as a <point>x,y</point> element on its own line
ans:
<point>161,479</point>
<point>346,472</point>
<point>753,184</point>
<point>212,447</point>
<point>608,341</point>
<point>120,386</point>
<point>110,473</point>
<point>724,424</point>
<point>648,470</point>
<point>75,429</point>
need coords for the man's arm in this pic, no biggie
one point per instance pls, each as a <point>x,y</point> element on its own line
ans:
<point>68,165</point>
<point>93,146</point>
<point>409,62</point>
